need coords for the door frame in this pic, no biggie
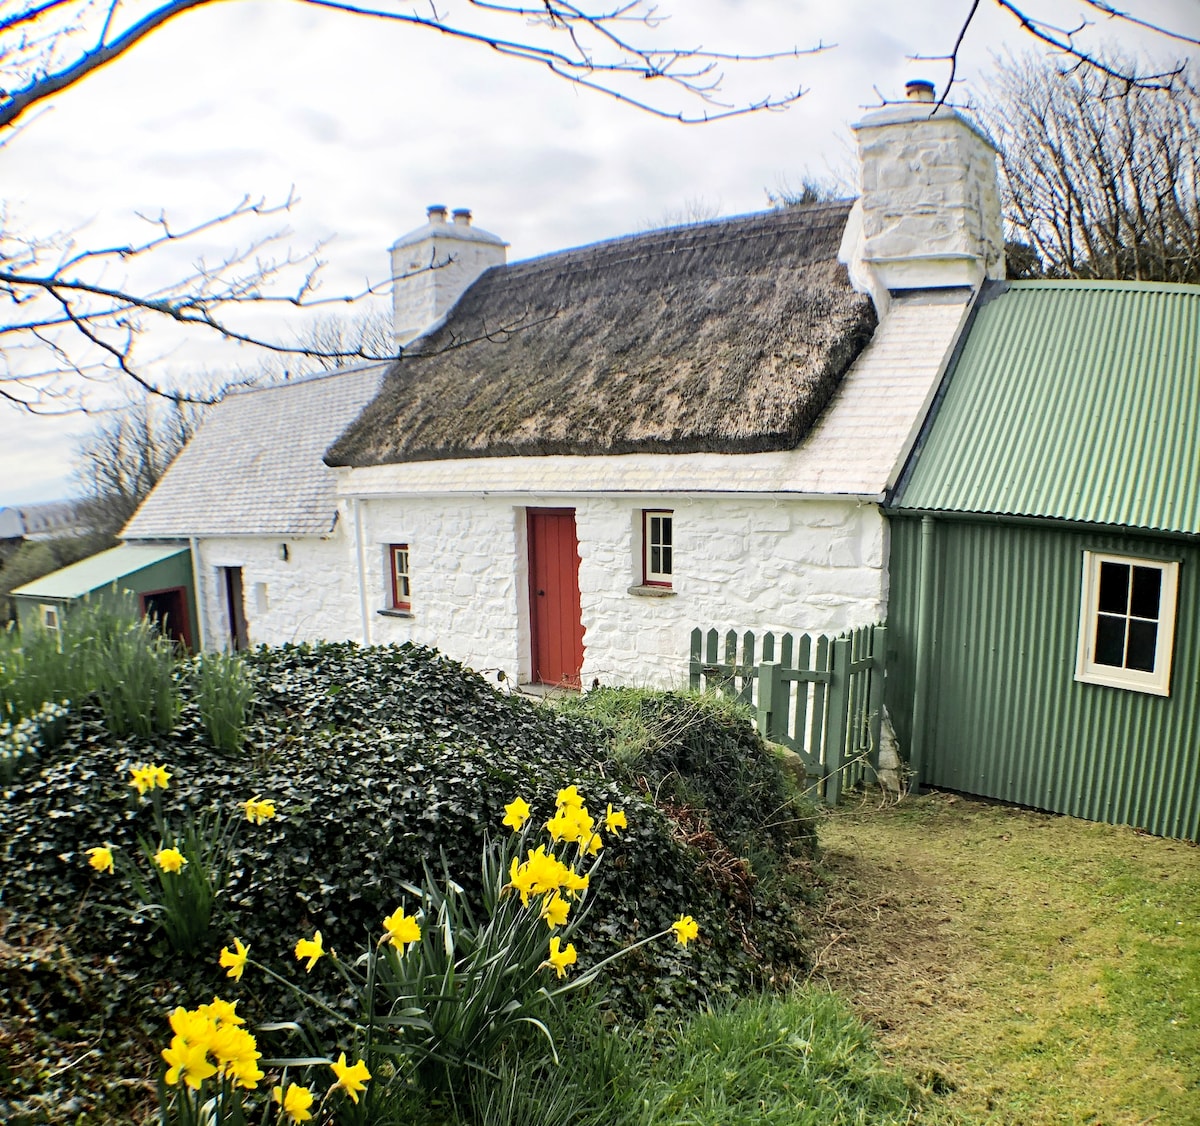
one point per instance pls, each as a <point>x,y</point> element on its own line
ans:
<point>531,513</point>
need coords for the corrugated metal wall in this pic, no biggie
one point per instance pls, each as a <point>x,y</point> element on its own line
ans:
<point>1006,718</point>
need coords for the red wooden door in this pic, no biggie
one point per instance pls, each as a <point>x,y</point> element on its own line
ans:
<point>556,622</point>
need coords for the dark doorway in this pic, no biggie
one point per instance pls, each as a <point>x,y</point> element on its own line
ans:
<point>235,608</point>
<point>167,609</point>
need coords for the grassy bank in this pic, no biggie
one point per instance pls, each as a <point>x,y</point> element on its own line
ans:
<point>1033,968</point>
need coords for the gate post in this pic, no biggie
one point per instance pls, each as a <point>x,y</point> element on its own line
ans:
<point>875,700</point>
<point>835,732</point>
<point>772,711</point>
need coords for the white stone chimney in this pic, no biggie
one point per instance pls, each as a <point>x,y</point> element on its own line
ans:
<point>929,213</point>
<point>433,266</point>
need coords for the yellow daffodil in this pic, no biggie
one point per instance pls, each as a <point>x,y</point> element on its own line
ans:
<point>188,1062</point>
<point>234,961</point>
<point>560,958</point>
<point>614,821</point>
<point>295,1101</point>
<point>142,779</point>
<point>149,777</point>
<point>350,1079</point>
<point>574,883</point>
<point>403,930</point>
<point>570,798</point>
<point>258,811</point>
<point>522,879</point>
<point>686,928</point>
<point>555,910</point>
<point>516,813</point>
<point>101,859</point>
<point>311,949</point>
<point>220,1012</point>
<point>594,845</point>
<point>169,859</point>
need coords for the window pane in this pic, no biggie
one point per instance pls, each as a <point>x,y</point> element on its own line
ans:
<point>666,531</point>
<point>1143,638</point>
<point>1114,588</point>
<point>1110,641</point>
<point>666,563</point>
<point>1147,590</point>
<point>656,560</point>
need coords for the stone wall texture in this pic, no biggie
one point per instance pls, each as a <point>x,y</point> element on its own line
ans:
<point>745,563</point>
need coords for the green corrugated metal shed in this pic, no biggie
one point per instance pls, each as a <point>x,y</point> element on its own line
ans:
<point>1070,424</point>
<point>159,575</point>
<point>1072,400</point>
<point>98,571</point>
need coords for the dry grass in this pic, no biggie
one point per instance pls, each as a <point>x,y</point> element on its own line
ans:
<point>1032,969</point>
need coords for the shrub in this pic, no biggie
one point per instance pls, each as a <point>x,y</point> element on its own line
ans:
<point>378,761</point>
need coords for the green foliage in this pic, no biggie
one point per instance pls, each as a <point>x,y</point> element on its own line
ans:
<point>378,761</point>
<point>700,754</point>
<point>182,902</point>
<point>803,1060</point>
<point>103,649</point>
<point>113,652</point>
<point>224,691</point>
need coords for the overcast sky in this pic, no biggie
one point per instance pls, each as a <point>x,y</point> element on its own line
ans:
<point>369,123</point>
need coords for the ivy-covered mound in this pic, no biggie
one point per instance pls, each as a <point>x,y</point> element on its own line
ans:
<point>378,761</point>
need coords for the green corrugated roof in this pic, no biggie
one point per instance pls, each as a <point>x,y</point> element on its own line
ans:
<point>1073,400</point>
<point>98,571</point>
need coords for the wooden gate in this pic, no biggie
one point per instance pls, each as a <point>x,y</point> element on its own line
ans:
<point>555,617</point>
<point>821,697</point>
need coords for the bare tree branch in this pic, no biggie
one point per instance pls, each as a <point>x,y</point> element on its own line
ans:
<point>1098,179</point>
<point>1067,41</point>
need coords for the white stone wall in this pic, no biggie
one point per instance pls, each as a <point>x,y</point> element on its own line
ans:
<point>740,563</point>
<point>310,596</point>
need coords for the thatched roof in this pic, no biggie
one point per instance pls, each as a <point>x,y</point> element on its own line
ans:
<point>728,336</point>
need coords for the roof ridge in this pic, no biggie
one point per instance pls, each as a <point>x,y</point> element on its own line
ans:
<point>665,234</point>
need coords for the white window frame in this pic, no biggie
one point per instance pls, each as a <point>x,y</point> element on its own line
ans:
<point>660,576</point>
<point>51,618</point>
<point>1087,670</point>
<point>397,577</point>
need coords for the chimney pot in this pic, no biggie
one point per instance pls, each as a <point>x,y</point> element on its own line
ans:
<point>436,212</point>
<point>919,90</point>
<point>462,215</point>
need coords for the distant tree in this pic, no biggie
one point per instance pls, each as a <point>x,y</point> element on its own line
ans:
<point>1099,178</point>
<point>126,455</point>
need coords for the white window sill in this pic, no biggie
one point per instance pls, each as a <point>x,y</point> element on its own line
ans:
<point>395,613</point>
<point>645,591</point>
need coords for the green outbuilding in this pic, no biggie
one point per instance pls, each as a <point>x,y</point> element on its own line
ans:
<point>1044,612</point>
<point>159,576</point>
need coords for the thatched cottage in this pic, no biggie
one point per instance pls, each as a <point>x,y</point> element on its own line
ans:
<point>581,457</point>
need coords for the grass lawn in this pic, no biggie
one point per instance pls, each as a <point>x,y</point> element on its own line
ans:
<point>1033,968</point>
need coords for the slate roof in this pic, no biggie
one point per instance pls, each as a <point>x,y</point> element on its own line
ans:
<point>729,336</point>
<point>1074,400</point>
<point>254,467</point>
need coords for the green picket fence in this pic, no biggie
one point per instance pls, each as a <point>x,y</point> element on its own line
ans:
<point>820,696</point>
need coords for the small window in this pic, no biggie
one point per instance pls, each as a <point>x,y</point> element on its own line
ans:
<point>1127,622</point>
<point>49,617</point>
<point>658,547</point>
<point>401,584</point>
